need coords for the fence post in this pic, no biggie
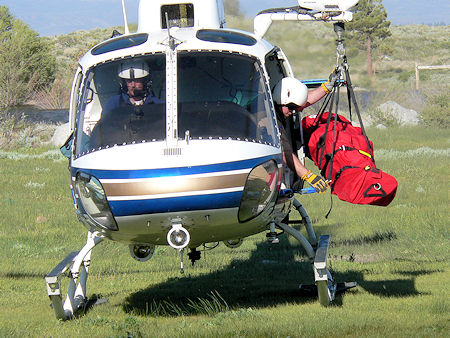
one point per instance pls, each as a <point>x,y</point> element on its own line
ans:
<point>417,76</point>
<point>427,67</point>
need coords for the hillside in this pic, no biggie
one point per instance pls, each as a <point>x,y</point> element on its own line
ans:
<point>310,48</point>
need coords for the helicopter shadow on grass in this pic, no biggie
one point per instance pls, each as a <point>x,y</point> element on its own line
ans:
<point>271,276</point>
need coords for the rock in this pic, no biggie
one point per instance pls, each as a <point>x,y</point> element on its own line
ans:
<point>380,126</point>
<point>60,135</point>
<point>366,120</point>
<point>401,114</point>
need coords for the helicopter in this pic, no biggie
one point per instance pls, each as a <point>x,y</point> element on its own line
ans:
<point>198,158</point>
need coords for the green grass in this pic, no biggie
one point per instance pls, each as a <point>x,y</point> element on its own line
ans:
<point>398,255</point>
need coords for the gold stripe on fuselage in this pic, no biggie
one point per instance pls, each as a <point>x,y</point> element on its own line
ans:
<point>176,184</point>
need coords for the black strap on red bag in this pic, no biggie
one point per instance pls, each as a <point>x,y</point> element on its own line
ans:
<point>332,103</point>
<point>351,94</point>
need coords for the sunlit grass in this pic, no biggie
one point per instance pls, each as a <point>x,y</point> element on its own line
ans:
<point>398,255</point>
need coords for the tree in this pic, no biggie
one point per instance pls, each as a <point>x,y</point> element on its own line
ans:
<point>26,61</point>
<point>369,28</point>
<point>232,7</point>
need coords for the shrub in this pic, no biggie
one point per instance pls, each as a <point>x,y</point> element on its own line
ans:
<point>25,59</point>
<point>16,132</point>
<point>385,118</point>
<point>436,113</point>
<point>9,125</point>
<point>56,96</point>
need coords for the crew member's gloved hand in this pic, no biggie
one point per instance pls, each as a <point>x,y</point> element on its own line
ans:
<point>317,182</point>
<point>328,86</point>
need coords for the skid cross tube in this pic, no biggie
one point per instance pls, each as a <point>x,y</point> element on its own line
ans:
<point>79,262</point>
<point>307,221</point>
<point>302,239</point>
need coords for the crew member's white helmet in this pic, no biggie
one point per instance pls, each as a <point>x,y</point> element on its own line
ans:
<point>289,90</point>
<point>131,70</point>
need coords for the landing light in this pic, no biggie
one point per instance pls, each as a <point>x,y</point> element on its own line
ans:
<point>259,190</point>
<point>233,243</point>
<point>91,199</point>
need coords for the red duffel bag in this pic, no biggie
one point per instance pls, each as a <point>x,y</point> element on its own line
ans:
<point>349,164</point>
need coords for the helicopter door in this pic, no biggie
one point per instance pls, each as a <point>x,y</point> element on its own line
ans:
<point>75,97</point>
<point>277,68</point>
<point>66,148</point>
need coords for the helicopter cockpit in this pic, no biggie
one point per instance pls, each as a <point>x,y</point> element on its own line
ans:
<point>219,96</point>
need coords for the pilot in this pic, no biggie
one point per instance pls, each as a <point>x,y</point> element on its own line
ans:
<point>125,116</point>
<point>291,95</point>
<point>135,84</point>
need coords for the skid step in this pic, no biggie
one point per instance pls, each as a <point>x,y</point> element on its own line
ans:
<point>78,262</point>
<point>52,279</point>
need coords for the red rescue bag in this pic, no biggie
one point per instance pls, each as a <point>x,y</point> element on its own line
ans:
<point>350,165</point>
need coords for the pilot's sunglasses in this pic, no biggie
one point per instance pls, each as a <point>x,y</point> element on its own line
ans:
<point>292,106</point>
<point>134,80</point>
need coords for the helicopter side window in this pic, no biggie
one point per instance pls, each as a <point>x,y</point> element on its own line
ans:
<point>179,15</point>
<point>275,68</point>
<point>122,103</point>
<point>224,96</point>
<point>74,100</point>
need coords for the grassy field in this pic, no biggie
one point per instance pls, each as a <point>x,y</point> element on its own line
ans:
<point>399,256</point>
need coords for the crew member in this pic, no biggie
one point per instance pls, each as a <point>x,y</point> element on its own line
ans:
<point>291,95</point>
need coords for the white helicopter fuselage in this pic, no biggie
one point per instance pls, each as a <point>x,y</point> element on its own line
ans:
<point>149,191</point>
<point>192,154</point>
<point>216,125</point>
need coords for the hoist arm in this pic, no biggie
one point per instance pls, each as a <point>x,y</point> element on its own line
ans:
<point>308,10</point>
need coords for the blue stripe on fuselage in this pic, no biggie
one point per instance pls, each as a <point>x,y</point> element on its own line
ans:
<point>164,172</point>
<point>175,204</point>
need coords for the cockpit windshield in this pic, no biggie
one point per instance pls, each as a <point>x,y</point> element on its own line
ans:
<point>219,96</point>
<point>122,102</point>
<point>223,95</point>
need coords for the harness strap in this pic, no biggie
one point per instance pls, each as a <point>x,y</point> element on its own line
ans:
<point>322,149</point>
<point>329,158</point>
<point>366,168</point>
<point>353,99</point>
<point>339,174</point>
<point>330,170</point>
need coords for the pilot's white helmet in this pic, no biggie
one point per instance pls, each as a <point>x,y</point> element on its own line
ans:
<point>289,90</point>
<point>131,70</point>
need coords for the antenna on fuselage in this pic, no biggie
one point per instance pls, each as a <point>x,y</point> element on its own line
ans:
<point>125,20</point>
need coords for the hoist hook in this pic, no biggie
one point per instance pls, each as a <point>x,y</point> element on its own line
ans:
<point>339,29</point>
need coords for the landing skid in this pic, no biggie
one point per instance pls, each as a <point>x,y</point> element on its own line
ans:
<point>310,290</point>
<point>76,267</point>
<point>325,286</point>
